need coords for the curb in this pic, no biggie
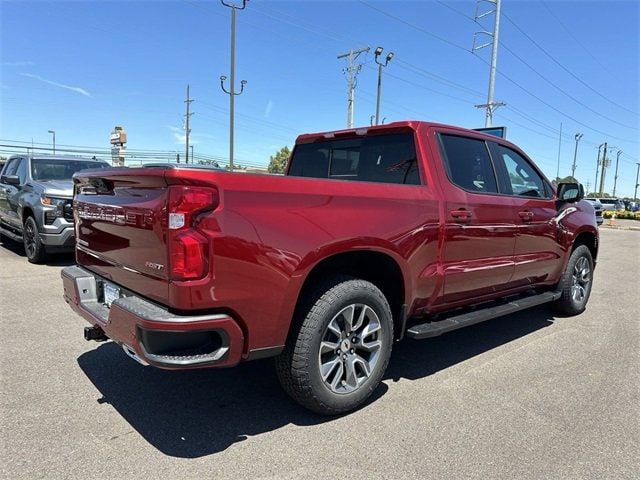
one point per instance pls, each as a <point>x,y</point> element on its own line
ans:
<point>615,227</point>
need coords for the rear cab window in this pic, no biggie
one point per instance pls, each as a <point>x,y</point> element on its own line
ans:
<point>383,158</point>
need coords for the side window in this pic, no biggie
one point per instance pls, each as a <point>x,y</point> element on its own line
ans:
<point>11,167</point>
<point>468,163</point>
<point>523,179</point>
<point>22,171</point>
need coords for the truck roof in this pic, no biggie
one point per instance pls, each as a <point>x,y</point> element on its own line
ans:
<point>58,157</point>
<point>403,124</point>
<point>388,127</point>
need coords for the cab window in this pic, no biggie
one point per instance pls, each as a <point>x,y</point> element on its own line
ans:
<point>468,163</point>
<point>523,180</point>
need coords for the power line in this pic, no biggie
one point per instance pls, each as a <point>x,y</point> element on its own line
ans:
<point>415,27</point>
<point>543,50</point>
<point>578,42</point>
<point>567,94</point>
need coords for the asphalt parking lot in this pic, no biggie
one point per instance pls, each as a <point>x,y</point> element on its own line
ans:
<point>525,396</point>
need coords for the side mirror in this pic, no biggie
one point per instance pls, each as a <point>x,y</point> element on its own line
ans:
<point>570,192</point>
<point>10,179</point>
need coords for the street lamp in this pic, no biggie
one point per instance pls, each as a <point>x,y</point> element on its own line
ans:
<point>575,154</point>
<point>53,132</point>
<point>377,53</point>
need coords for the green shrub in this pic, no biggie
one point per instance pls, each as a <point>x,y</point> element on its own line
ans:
<point>622,214</point>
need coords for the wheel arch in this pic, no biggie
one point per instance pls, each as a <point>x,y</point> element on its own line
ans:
<point>382,267</point>
<point>589,239</point>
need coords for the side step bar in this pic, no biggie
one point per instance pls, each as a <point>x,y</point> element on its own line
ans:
<point>433,329</point>
<point>11,234</point>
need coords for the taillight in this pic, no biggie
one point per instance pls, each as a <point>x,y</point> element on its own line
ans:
<point>188,248</point>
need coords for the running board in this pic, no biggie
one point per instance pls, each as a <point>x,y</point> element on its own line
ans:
<point>12,235</point>
<point>433,329</point>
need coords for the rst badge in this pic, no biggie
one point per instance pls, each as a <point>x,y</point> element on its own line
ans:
<point>154,266</point>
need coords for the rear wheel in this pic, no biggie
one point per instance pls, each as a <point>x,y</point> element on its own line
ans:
<point>576,282</point>
<point>33,246</point>
<point>337,354</point>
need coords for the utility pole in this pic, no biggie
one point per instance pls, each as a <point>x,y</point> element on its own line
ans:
<point>191,147</point>
<point>52,132</point>
<point>605,163</point>
<point>578,136</point>
<point>187,130</point>
<point>588,186</point>
<point>635,191</point>
<point>352,71</point>
<point>615,176</point>
<point>231,92</point>
<point>559,147</point>
<point>595,185</point>
<point>490,106</point>
<point>387,59</point>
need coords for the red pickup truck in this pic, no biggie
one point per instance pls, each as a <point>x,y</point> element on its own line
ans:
<point>410,229</point>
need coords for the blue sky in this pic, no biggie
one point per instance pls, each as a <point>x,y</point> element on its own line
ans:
<point>82,67</point>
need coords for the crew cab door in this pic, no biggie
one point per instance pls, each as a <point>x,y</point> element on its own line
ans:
<point>479,231</point>
<point>538,254</point>
<point>9,193</point>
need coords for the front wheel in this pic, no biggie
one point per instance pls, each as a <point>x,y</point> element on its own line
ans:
<point>576,282</point>
<point>337,354</point>
<point>33,246</point>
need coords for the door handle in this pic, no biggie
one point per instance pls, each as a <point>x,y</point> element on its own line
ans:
<point>461,215</point>
<point>526,216</point>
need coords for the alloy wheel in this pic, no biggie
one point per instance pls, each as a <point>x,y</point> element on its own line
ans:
<point>29,239</point>
<point>580,280</point>
<point>350,348</point>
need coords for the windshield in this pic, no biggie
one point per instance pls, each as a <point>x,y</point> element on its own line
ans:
<point>45,169</point>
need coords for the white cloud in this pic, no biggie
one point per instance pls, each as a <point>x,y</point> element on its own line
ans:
<point>79,90</point>
<point>18,64</point>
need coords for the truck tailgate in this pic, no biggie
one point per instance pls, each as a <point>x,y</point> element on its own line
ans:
<point>119,218</point>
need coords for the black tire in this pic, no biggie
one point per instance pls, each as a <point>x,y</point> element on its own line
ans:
<point>299,365</point>
<point>576,283</point>
<point>33,246</point>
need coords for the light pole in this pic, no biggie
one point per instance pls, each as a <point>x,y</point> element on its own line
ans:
<point>615,177</point>
<point>231,92</point>
<point>575,154</point>
<point>53,132</point>
<point>387,59</point>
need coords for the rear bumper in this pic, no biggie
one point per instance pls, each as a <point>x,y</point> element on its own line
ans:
<point>151,334</point>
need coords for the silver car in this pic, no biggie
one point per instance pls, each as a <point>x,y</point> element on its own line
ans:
<point>36,194</point>
<point>612,204</point>
<point>598,208</point>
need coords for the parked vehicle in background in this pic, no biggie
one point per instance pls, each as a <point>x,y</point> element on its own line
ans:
<point>36,195</point>
<point>611,204</point>
<point>630,205</point>
<point>407,229</point>
<point>597,207</point>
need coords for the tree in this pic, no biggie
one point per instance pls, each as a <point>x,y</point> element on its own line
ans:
<point>278,162</point>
